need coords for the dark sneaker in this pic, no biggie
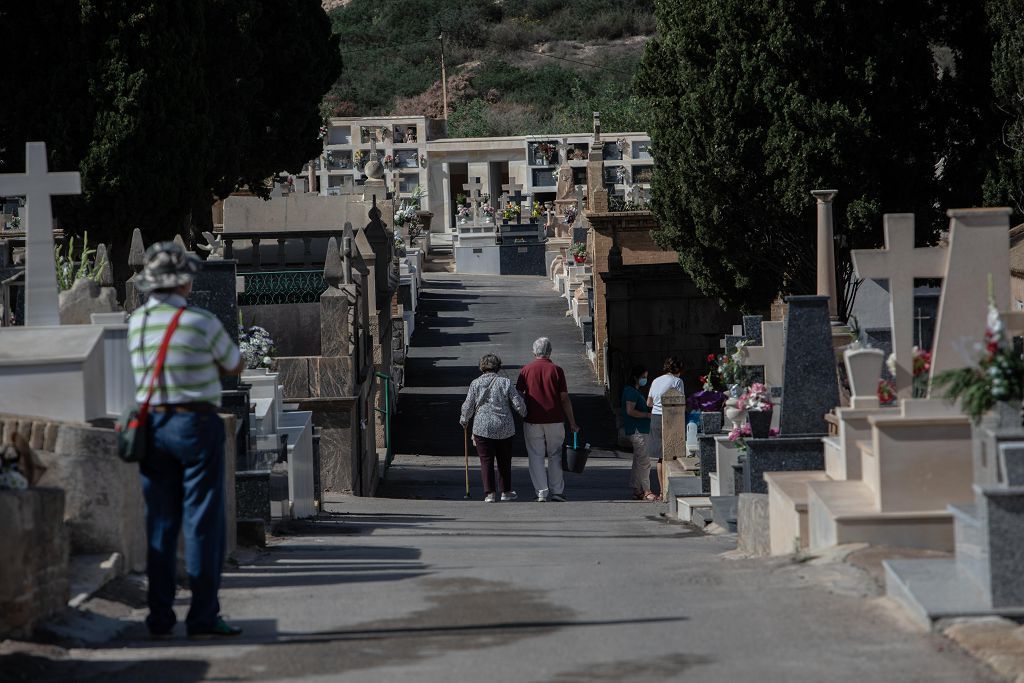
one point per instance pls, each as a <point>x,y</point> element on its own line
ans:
<point>220,630</point>
<point>558,497</point>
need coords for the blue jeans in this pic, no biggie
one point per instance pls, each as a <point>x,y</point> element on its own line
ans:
<point>183,480</point>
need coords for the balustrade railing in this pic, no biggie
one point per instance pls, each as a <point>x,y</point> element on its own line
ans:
<point>305,248</point>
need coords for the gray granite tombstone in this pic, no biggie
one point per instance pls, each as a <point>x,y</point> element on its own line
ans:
<point>731,340</point>
<point>752,329</point>
<point>785,454</point>
<point>214,289</point>
<point>579,235</point>
<point>708,462</point>
<point>810,384</point>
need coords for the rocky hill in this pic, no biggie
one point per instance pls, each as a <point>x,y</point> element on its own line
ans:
<point>514,66</point>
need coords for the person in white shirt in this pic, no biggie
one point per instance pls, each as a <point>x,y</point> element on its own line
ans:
<point>672,368</point>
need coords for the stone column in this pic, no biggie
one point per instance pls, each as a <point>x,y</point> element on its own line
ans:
<point>826,251</point>
<point>673,433</point>
<point>446,196</point>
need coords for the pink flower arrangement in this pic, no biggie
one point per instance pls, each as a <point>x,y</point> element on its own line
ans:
<point>740,434</point>
<point>756,399</point>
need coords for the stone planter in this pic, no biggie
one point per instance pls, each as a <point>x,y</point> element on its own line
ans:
<point>760,423</point>
<point>864,368</point>
<point>34,570</point>
<point>710,422</point>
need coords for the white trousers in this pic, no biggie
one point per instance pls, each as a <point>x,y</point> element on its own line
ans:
<point>545,440</point>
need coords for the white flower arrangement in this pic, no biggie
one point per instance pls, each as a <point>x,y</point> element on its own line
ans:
<point>257,347</point>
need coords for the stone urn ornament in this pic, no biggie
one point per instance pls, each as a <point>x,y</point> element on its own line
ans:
<point>734,411</point>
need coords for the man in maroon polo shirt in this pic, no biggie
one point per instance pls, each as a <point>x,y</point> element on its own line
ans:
<point>542,384</point>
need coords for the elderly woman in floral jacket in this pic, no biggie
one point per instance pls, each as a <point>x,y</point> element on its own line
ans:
<point>489,404</point>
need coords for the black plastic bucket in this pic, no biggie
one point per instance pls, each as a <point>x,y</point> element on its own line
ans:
<point>574,459</point>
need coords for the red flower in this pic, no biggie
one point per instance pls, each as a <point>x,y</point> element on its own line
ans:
<point>702,379</point>
<point>711,358</point>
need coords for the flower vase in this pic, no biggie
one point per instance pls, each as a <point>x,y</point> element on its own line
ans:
<point>734,413</point>
<point>760,423</point>
<point>579,259</point>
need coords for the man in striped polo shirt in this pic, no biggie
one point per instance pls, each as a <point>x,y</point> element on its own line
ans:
<point>183,471</point>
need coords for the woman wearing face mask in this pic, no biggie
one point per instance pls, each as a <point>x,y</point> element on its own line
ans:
<point>636,421</point>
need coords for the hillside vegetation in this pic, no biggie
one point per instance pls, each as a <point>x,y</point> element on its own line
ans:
<point>514,66</point>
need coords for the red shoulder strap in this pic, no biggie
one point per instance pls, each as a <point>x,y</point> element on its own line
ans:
<point>158,367</point>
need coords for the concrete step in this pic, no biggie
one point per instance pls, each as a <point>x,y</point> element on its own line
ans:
<point>787,505</point>
<point>688,506</point>
<point>833,456</point>
<point>969,538</point>
<point>930,590</point>
<point>725,510</point>
<point>702,517</point>
<point>681,485</point>
<point>840,512</point>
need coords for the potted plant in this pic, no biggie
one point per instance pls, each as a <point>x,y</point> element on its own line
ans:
<point>488,212</point>
<point>464,213</point>
<point>734,376</point>
<point>710,399</point>
<point>996,382</point>
<point>579,252</point>
<point>757,403</point>
<point>543,152</point>
<point>511,210</point>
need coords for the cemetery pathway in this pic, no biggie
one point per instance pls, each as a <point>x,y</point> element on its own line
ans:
<point>420,585</point>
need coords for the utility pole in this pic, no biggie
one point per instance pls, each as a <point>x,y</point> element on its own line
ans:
<point>444,80</point>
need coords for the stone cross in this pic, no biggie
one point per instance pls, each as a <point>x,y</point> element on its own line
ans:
<point>579,193</point>
<point>900,263</point>
<point>474,195</point>
<point>37,185</point>
<point>514,194</point>
<point>770,355</point>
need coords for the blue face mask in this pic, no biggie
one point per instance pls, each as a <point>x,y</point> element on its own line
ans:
<point>643,381</point>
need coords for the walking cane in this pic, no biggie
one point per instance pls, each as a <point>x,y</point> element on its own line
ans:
<point>465,445</point>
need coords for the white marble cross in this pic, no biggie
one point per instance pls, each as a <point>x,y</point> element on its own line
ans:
<point>770,355</point>
<point>900,263</point>
<point>474,195</point>
<point>37,185</point>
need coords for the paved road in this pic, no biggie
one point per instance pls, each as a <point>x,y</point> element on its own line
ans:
<point>421,585</point>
